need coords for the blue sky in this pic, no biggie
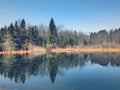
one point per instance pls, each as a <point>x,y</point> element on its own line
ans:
<point>80,15</point>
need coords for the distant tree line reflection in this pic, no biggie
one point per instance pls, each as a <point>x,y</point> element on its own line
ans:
<point>18,67</point>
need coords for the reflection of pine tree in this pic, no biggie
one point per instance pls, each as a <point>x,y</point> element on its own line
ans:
<point>23,78</point>
<point>53,73</point>
<point>53,68</point>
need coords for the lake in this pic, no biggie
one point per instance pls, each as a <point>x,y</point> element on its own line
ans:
<point>95,71</point>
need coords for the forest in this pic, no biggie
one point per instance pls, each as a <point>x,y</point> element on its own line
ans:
<point>20,35</point>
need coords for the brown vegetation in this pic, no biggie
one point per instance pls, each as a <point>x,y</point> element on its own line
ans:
<point>83,50</point>
<point>32,49</point>
<point>16,52</point>
<point>88,49</point>
<point>36,50</point>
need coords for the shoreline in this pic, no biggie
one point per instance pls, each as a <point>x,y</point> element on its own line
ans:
<point>63,50</point>
<point>85,50</point>
<point>15,52</point>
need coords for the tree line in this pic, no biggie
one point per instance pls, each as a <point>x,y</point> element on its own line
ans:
<point>19,36</point>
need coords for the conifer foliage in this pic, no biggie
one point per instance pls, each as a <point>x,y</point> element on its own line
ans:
<point>52,32</point>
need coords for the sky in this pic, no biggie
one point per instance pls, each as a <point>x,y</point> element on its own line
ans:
<point>81,15</point>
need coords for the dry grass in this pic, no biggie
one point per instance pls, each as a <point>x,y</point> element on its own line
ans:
<point>85,50</point>
<point>36,50</point>
<point>16,52</point>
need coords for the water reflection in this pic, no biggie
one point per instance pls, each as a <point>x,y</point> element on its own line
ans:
<point>18,67</point>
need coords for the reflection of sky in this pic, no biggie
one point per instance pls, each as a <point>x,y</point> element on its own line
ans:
<point>90,77</point>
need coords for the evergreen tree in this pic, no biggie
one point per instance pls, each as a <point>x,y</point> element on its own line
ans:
<point>16,26</point>
<point>23,24</point>
<point>11,28</point>
<point>53,37</point>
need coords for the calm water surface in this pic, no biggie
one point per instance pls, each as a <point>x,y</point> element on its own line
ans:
<point>60,72</point>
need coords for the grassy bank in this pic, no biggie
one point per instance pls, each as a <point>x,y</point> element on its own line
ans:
<point>83,50</point>
<point>16,52</point>
<point>36,50</point>
<point>33,50</point>
<point>87,49</point>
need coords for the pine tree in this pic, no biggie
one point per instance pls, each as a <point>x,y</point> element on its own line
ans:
<point>52,32</point>
<point>23,24</point>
